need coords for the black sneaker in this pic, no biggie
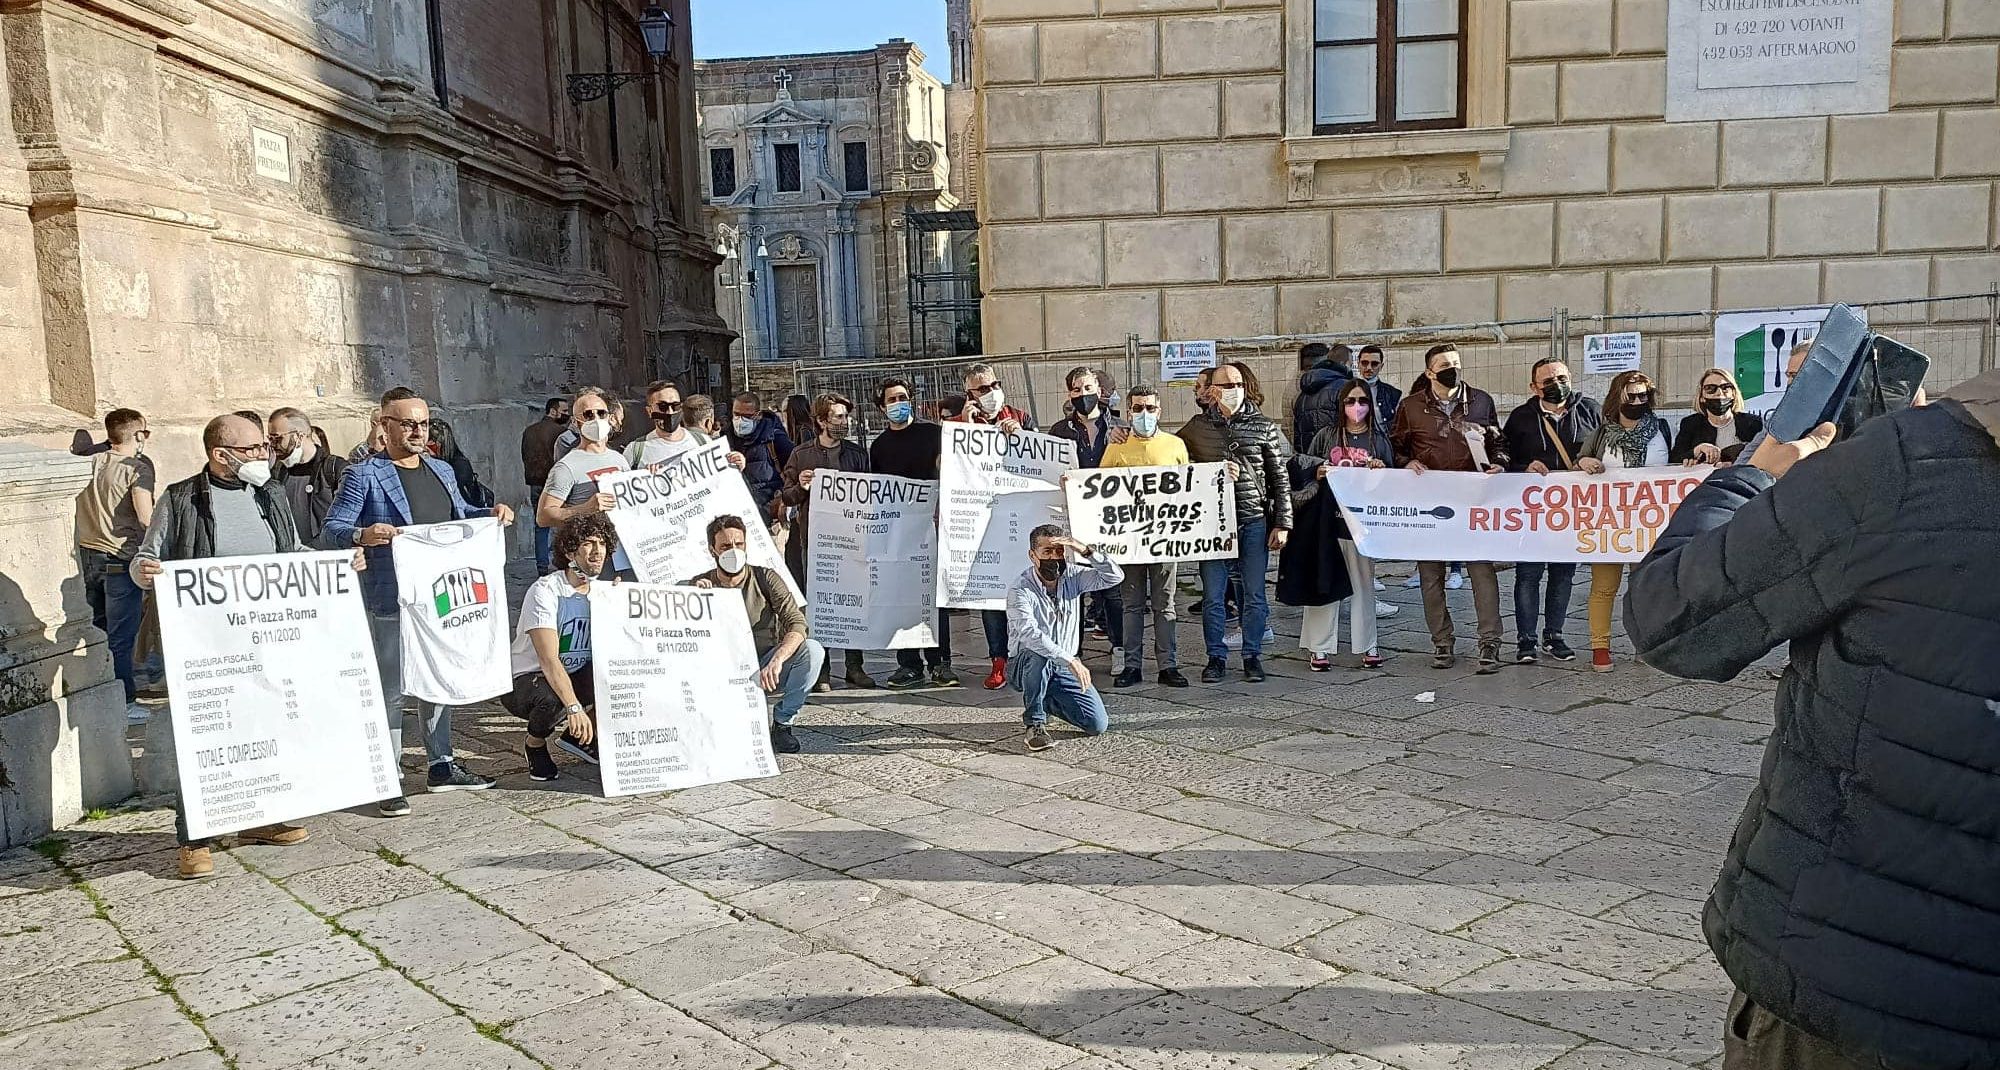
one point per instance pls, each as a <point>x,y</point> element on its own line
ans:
<point>586,751</point>
<point>782,739</point>
<point>1527,655</point>
<point>1038,738</point>
<point>943,676</point>
<point>1128,678</point>
<point>541,766</point>
<point>1443,659</point>
<point>1489,659</point>
<point>1173,678</point>
<point>396,807</point>
<point>1558,650</point>
<point>451,776</point>
<point>1253,670</point>
<point>1214,671</point>
<point>904,679</point>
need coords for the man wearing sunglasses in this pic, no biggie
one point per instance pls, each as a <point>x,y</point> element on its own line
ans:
<point>986,403</point>
<point>403,486</point>
<point>112,515</point>
<point>1368,369</point>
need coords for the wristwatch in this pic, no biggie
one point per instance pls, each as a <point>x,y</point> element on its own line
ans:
<point>574,707</point>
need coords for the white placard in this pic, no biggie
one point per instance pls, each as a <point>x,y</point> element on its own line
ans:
<point>1755,347</point>
<point>663,512</point>
<point>1141,516</point>
<point>452,588</point>
<point>1399,515</point>
<point>1180,362</point>
<point>1740,59</point>
<point>1609,354</point>
<point>995,489</point>
<point>276,705</point>
<point>871,565</point>
<point>271,154</point>
<point>678,702</point>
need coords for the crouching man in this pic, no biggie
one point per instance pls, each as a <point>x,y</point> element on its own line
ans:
<point>790,660</point>
<point>1042,617</point>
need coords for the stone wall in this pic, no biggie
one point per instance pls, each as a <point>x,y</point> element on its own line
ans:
<point>1145,171</point>
<point>252,205</point>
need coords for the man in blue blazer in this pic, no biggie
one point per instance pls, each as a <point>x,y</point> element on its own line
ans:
<point>401,487</point>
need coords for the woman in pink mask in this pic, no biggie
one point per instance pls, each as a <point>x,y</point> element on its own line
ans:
<point>1317,581</point>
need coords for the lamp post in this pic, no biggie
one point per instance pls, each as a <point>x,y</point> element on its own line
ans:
<point>656,27</point>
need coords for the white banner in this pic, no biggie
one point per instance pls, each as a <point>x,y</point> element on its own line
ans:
<point>995,489</point>
<point>276,705</point>
<point>1140,516</point>
<point>451,584</point>
<point>871,563</point>
<point>1182,362</point>
<point>1399,515</point>
<point>662,516</point>
<point>678,703</point>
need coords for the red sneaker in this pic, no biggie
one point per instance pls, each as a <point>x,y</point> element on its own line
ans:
<point>997,679</point>
<point>1600,659</point>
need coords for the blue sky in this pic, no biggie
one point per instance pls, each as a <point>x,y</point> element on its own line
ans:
<point>769,27</point>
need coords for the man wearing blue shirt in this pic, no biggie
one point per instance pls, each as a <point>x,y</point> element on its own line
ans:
<point>1043,613</point>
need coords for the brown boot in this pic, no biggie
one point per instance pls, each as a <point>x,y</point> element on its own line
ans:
<point>280,835</point>
<point>196,863</point>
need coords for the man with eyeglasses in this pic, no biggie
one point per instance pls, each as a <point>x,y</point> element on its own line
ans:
<point>1148,586</point>
<point>403,486</point>
<point>1368,368</point>
<point>112,514</point>
<point>1546,434</point>
<point>672,435</point>
<point>538,455</point>
<point>309,474</point>
<point>1089,425</point>
<point>986,403</point>
<point>228,509</point>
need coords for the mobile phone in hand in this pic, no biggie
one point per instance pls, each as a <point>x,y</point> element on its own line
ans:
<point>1818,393</point>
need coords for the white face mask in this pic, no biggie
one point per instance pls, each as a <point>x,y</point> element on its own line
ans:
<point>598,430</point>
<point>1230,397</point>
<point>296,457</point>
<point>731,560</point>
<point>745,426</point>
<point>992,401</point>
<point>254,473</point>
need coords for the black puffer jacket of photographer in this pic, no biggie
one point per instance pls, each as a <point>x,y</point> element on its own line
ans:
<point>1860,898</point>
<point>1263,480</point>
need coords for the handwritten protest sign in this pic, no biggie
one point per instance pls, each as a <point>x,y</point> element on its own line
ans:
<point>1139,516</point>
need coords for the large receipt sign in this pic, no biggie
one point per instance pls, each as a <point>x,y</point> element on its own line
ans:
<point>678,701</point>
<point>662,516</point>
<point>277,708</point>
<point>994,489</point>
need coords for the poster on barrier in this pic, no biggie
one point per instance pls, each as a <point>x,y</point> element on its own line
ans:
<point>662,516</point>
<point>1142,516</point>
<point>1400,515</point>
<point>995,489</point>
<point>277,706</point>
<point>870,568</point>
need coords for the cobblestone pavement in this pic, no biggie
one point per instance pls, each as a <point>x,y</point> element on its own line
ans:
<point>1327,871</point>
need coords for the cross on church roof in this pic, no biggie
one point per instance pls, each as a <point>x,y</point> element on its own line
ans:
<point>784,80</point>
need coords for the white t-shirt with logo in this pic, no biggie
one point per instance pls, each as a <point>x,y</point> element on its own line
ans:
<point>453,594</point>
<point>553,604</point>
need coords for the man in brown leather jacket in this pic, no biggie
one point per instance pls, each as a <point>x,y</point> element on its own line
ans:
<point>1451,427</point>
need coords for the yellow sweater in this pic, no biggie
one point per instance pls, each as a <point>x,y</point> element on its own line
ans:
<point>1163,449</point>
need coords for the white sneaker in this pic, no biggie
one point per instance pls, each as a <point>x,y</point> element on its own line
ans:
<point>1416,580</point>
<point>1379,586</point>
<point>1454,581</point>
<point>137,714</point>
<point>1270,637</point>
<point>1385,609</point>
<point>1117,660</point>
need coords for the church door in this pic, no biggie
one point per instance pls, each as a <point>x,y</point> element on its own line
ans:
<point>798,311</point>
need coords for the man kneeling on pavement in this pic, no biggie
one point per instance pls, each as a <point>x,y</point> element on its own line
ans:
<point>1043,612</point>
<point>790,660</point>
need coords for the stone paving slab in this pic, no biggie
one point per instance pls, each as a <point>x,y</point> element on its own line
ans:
<point>1317,874</point>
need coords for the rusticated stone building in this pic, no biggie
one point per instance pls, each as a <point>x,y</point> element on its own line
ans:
<point>1191,169</point>
<point>208,206</point>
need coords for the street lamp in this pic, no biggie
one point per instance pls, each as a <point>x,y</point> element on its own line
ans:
<point>656,27</point>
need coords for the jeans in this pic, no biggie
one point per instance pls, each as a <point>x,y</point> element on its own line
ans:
<point>1604,583</point>
<point>1528,599</point>
<point>544,537</point>
<point>1149,587</point>
<point>1485,601</point>
<point>387,632</point>
<point>1111,602</point>
<point>795,680</point>
<point>937,657</point>
<point>1050,687</point>
<point>122,606</point>
<point>1254,558</point>
<point>995,623</point>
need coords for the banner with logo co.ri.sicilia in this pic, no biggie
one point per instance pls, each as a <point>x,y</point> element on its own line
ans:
<point>1614,518</point>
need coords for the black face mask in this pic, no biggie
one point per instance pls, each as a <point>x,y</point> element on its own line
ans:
<point>669,422</point>
<point>1085,406</point>
<point>1718,406</point>
<point>1557,393</point>
<point>1050,568</point>
<point>1635,410</point>
<point>1448,378</point>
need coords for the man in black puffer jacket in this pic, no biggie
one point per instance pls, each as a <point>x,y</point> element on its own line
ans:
<point>1232,430</point>
<point>1322,372</point>
<point>1858,910</point>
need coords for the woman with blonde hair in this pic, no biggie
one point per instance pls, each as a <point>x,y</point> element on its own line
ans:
<point>1718,425</point>
<point>1632,436</point>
